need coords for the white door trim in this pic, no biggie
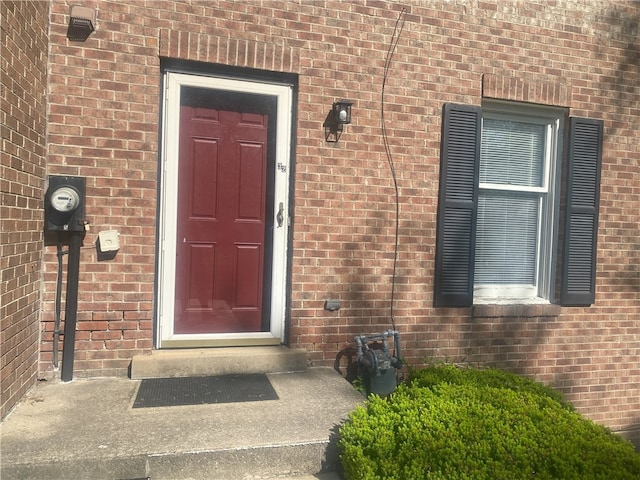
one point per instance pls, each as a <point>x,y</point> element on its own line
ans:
<point>165,336</point>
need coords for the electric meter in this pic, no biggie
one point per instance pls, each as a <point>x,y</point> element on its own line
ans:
<point>64,204</point>
<point>65,199</point>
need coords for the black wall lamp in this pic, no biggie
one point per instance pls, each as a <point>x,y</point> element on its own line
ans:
<point>82,22</point>
<point>339,116</point>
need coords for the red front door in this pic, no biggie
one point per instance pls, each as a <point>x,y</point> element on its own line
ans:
<point>222,214</point>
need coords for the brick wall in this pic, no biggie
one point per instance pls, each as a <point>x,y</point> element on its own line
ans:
<point>103,125</point>
<point>23,78</point>
<point>579,54</point>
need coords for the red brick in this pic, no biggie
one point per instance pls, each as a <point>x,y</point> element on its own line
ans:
<point>23,116</point>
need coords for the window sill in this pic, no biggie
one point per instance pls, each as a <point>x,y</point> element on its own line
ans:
<point>520,310</point>
<point>479,301</point>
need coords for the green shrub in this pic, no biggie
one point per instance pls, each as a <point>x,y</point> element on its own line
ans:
<point>449,423</point>
<point>490,377</point>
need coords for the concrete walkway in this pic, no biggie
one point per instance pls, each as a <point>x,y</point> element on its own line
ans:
<point>88,429</point>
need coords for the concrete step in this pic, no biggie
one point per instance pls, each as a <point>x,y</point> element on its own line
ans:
<point>88,429</point>
<point>218,361</point>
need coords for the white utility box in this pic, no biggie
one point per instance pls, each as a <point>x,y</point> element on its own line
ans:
<point>109,241</point>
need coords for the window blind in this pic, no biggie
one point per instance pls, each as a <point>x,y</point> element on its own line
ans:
<point>506,241</point>
<point>512,155</point>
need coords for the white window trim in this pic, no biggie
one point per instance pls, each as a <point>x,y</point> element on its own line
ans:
<point>541,291</point>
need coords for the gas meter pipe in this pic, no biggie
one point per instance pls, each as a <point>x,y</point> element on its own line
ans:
<point>71,305</point>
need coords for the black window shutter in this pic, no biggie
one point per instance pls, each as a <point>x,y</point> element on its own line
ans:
<point>457,205</point>
<point>578,280</point>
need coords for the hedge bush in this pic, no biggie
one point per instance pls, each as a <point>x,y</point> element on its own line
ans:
<point>451,423</point>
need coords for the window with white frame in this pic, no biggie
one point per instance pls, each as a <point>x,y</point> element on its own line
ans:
<point>502,230</point>
<point>519,154</point>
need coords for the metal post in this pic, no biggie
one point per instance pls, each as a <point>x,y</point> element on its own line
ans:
<point>71,305</point>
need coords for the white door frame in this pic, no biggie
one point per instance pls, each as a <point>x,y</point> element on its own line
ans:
<point>165,336</point>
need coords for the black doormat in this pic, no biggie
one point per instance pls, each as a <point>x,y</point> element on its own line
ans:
<point>167,392</point>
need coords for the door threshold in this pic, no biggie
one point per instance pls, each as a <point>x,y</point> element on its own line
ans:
<point>219,342</point>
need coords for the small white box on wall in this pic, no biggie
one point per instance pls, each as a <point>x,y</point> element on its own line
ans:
<point>109,240</point>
